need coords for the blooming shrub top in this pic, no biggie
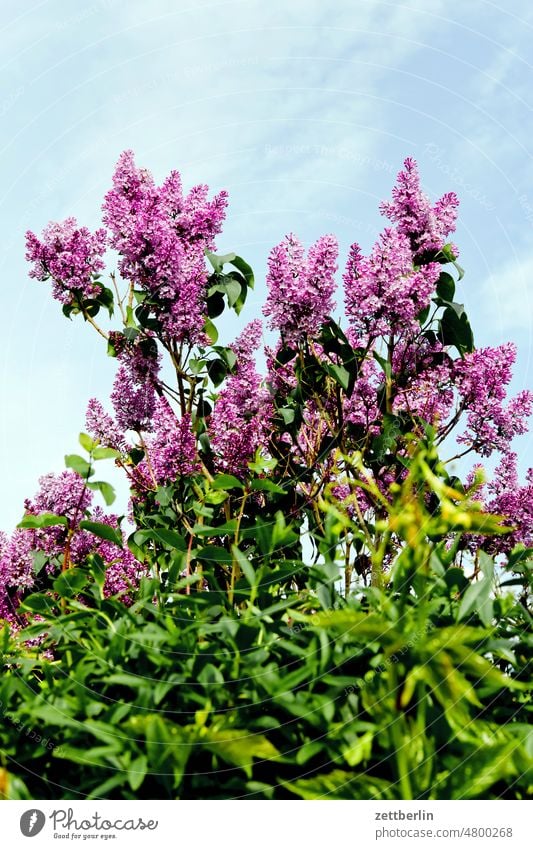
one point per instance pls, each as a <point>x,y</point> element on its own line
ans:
<point>224,449</point>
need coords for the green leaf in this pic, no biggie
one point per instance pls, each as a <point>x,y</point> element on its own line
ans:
<point>44,520</point>
<point>79,465</point>
<point>215,304</point>
<point>340,374</point>
<point>106,299</point>
<point>245,269</point>
<point>287,414</point>
<point>486,563</point>
<point>340,785</point>
<point>137,772</point>
<point>216,496</point>
<point>217,371</point>
<point>111,350</point>
<point>71,582</point>
<point>169,538</point>
<point>130,320</point>
<point>228,355</point>
<point>454,329</point>
<point>385,365</point>
<point>38,603</point>
<point>211,331</point>
<point>214,553</point>
<point>227,528</point>
<point>224,481</point>
<point>106,490</point>
<point>102,453</point>
<point>40,559</point>
<point>245,565</point>
<point>477,599</point>
<point>233,291</point>
<point>238,747</point>
<point>266,485</point>
<point>99,529</point>
<point>130,333</point>
<point>87,442</point>
<point>197,366</point>
<point>218,261</point>
<point>446,287</point>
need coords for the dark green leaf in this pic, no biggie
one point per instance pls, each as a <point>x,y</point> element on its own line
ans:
<point>169,538</point>
<point>266,485</point>
<point>446,287</point>
<point>103,531</point>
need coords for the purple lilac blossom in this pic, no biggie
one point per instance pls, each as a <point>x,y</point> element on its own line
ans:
<point>241,415</point>
<point>424,386</point>
<point>300,290</point>
<point>161,236</point>
<point>426,226</point>
<point>70,255</point>
<point>512,501</point>
<point>134,387</point>
<point>102,427</point>
<point>172,445</point>
<point>481,378</point>
<point>362,407</point>
<point>383,293</point>
<point>65,494</point>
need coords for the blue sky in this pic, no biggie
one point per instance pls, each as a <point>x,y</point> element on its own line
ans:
<point>304,111</point>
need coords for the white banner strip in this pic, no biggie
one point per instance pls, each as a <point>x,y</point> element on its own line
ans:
<point>281,825</point>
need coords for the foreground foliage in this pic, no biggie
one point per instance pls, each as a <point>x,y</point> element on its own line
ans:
<point>412,692</point>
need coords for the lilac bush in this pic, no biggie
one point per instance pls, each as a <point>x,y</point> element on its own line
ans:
<point>332,421</point>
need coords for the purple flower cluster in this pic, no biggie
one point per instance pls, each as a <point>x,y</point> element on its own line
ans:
<point>362,407</point>
<point>135,386</point>
<point>300,290</point>
<point>161,236</point>
<point>172,445</point>
<point>66,495</point>
<point>123,570</point>
<point>16,570</point>
<point>70,255</point>
<point>424,382</point>
<point>512,501</point>
<point>102,427</point>
<point>241,416</point>
<point>383,293</point>
<point>426,226</point>
<point>481,379</point>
